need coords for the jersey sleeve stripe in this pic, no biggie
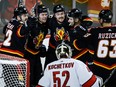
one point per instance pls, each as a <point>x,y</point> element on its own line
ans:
<point>90,82</point>
<point>75,45</point>
<point>80,54</point>
<point>110,67</point>
<point>31,51</point>
<point>18,32</point>
<point>12,51</point>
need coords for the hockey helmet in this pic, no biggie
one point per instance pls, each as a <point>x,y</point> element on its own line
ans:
<point>58,8</point>
<point>20,10</point>
<point>106,15</point>
<point>63,50</point>
<point>75,13</point>
<point>40,9</point>
<point>86,21</point>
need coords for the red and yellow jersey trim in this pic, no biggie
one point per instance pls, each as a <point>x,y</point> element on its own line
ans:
<point>91,52</point>
<point>109,67</point>
<point>18,31</point>
<point>16,52</point>
<point>90,82</point>
<point>75,45</point>
<point>31,51</point>
<point>81,53</point>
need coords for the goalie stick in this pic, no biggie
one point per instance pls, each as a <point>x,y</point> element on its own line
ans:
<point>111,74</point>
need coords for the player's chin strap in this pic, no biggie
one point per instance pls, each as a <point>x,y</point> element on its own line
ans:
<point>111,74</point>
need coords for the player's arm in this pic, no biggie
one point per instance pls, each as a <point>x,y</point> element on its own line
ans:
<point>86,77</point>
<point>82,41</point>
<point>45,80</point>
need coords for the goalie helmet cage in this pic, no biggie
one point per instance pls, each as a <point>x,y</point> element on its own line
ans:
<point>14,71</point>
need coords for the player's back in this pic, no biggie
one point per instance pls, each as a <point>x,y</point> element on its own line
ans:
<point>66,73</point>
<point>104,44</point>
<point>14,38</point>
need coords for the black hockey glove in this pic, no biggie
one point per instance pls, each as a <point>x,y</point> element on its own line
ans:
<point>42,50</point>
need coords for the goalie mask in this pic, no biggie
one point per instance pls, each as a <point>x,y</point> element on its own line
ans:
<point>63,51</point>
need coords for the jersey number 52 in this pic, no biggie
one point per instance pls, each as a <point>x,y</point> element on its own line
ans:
<point>57,80</point>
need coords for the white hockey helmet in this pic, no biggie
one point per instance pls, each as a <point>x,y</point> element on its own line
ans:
<point>63,50</point>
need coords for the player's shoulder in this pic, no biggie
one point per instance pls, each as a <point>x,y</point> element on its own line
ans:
<point>54,62</point>
<point>31,19</point>
<point>78,62</point>
<point>95,29</point>
<point>13,21</point>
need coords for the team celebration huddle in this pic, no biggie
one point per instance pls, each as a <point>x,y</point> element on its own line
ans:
<point>78,54</point>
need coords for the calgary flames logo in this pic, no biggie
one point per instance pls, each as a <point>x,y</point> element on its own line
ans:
<point>59,34</point>
<point>38,40</point>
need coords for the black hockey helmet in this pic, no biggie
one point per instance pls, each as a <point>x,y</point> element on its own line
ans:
<point>40,9</point>
<point>106,15</point>
<point>20,10</point>
<point>58,8</point>
<point>86,21</point>
<point>75,13</point>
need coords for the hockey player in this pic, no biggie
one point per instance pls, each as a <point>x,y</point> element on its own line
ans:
<point>87,22</point>
<point>34,46</point>
<point>58,26</point>
<point>76,33</point>
<point>16,33</point>
<point>103,41</point>
<point>68,72</point>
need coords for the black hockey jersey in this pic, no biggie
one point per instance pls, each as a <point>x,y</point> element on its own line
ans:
<point>15,38</point>
<point>76,35</point>
<point>103,46</point>
<point>37,34</point>
<point>59,32</point>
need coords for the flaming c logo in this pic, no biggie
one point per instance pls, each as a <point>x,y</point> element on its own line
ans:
<point>59,34</point>
<point>38,40</point>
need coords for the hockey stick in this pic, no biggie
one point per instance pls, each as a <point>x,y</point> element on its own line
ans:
<point>38,2</point>
<point>111,74</point>
<point>20,2</point>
